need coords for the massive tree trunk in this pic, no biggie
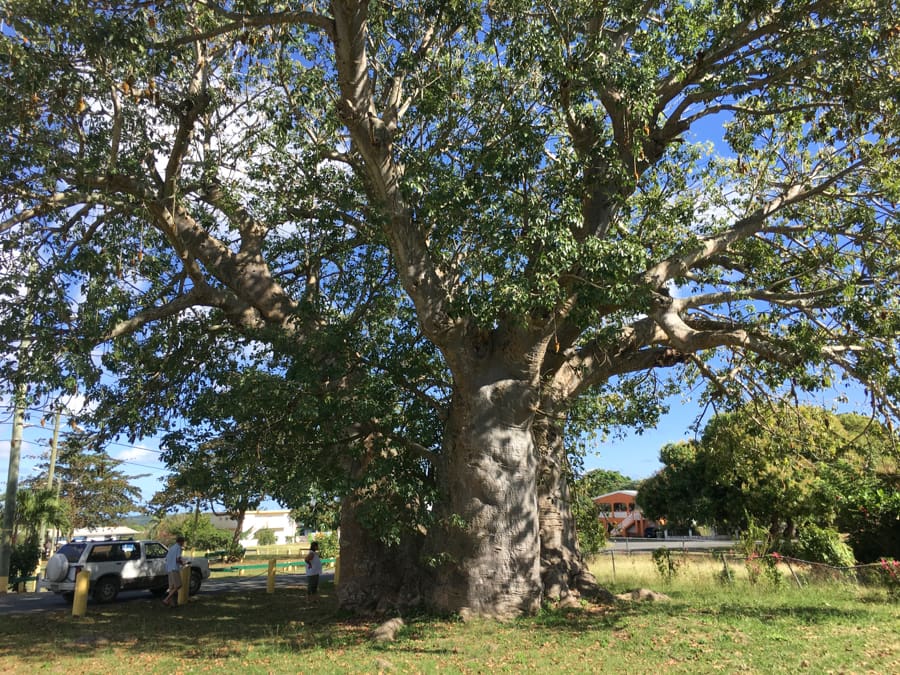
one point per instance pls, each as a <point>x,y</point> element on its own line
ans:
<point>375,577</point>
<point>564,574</point>
<point>486,545</point>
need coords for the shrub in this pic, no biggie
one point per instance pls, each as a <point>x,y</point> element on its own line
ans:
<point>725,576</point>
<point>820,545</point>
<point>234,552</point>
<point>763,565</point>
<point>265,537</point>
<point>890,575</point>
<point>329,546</point>
<point>588,526</point>
<point>24,559</point>
<point>666,564</point>
<point>198,530</point>
<point>756,542</point>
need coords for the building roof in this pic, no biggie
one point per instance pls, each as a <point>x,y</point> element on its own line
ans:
<point>628,493</point>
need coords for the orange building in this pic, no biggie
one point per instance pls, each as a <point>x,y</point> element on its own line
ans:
<point>622,517</point>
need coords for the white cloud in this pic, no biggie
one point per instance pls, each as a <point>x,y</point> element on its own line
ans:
<point>137,454</point>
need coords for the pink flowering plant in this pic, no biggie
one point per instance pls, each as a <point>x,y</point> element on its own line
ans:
<point>890,573</point>
<point>761,562</point>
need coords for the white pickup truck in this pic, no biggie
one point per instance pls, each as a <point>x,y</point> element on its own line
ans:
<point>116,565</point>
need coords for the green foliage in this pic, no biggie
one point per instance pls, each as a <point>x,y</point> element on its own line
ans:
<point>600,481</point>
<point>821,545</point>
<point>869,510</point>
<point>265,537</point>
<point>775,465</point>
<point>673,492</point>
<point>667,563</point>
<point>37,506</point>
<point>24,559</point>
<point>318,514</point>
<point>234,551</point>
<point>756,540</point>
<point>94,492</point>
<point>197,529</point>
<point>591,532</point>
<point>329,544</point>
<point>758,544</point>
<point>763,566</point>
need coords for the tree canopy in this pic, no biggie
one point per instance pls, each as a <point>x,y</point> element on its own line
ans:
<point>775,467</point>
<point>36,508</point>
<point>93,491</point>
<point>498,208</point>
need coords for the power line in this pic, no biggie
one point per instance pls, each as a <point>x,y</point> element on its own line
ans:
<point>117,443</point>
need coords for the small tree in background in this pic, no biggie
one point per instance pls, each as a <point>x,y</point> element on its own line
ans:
<point>265,537</point>
<point>801,474</point>
<point>36,506</point>
<point>196,528</point>
<point>94,492</point>
<point>869,511</point>
<point>24,559</point>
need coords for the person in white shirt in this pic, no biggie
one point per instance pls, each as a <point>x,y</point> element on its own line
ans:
<point>313,568</point>
<point>174,562</point>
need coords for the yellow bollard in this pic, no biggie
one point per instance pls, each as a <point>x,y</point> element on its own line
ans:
<point>82,585</point>
<point>4,584</point>
<point>184,591</point>
<point>337,570</point>
<point>270,586</point>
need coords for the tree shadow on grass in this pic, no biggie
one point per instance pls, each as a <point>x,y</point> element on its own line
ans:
<point>287,622</point>
<point>208,626</point>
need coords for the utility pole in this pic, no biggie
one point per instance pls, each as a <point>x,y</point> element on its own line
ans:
<point>12,485</point>
<point>15,451</point>
<point>54,445</point>
<point>54,448</point>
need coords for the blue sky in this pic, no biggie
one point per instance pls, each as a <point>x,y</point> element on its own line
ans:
<point>137,458</point>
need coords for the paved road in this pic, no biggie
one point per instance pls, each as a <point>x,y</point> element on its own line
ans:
<point>29,603</point>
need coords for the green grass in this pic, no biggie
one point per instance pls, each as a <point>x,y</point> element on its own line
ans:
<point>705,627</point>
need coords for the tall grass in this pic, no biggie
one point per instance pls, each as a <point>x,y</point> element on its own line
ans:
<point>703,572</point>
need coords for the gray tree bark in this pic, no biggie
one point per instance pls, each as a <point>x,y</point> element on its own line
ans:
<point>564,574</point>
<point>487,546</point>
<point>376,578</point>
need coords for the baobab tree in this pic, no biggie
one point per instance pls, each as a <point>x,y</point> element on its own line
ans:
<point>526,173</point>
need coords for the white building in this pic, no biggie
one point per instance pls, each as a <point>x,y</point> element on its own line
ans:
<point>280,522</point>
